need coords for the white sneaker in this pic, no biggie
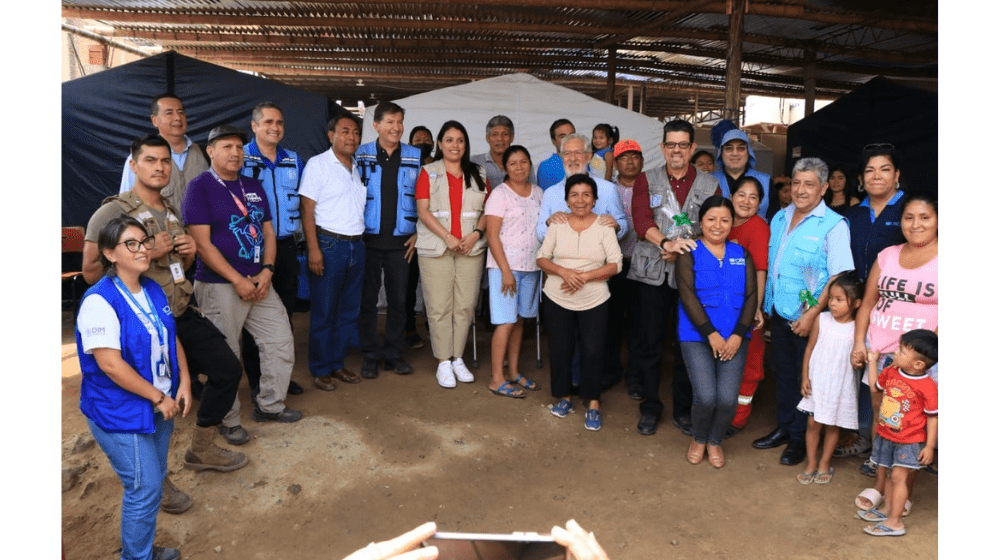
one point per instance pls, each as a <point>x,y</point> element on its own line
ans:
<point>445,375</point>
<point>461,372</point>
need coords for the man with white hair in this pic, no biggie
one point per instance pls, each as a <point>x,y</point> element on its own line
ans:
<point>576,152</point>
<point>809,245</point>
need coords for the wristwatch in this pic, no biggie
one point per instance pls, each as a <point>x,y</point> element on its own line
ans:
<point>481,233</point>
<point>269,267</point>
<point>662,241</point>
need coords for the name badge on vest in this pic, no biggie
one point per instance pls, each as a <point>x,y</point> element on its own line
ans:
<point>655,200</point>
<point>177,271</point>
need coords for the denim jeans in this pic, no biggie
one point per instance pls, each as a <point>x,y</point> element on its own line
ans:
<point>335,303</point>
<point>716,386</point>
<point>140,460</point>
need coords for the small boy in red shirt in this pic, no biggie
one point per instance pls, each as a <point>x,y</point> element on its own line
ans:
<point>907,424</point>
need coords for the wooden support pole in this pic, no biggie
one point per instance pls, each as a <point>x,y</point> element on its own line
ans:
<point>810,80</point>
<point>734,60</point>
<point>609,95</point>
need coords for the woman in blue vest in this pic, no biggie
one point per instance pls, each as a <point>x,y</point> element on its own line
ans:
<point>874,227</point>
<point>135,379</point>
<point>717,285</point>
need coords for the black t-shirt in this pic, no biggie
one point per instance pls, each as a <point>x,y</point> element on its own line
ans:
<point>389,189</point>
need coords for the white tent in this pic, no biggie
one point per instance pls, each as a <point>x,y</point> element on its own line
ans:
<point>532,104</point>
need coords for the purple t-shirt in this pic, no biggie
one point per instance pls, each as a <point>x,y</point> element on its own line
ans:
<point>238,235</point>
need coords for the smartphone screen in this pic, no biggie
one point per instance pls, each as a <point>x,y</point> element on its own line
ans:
<point>493,546</point>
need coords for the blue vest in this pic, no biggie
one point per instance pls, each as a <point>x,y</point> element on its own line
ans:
<point>371,176</point>
<point>281,185</point>
<point>804,253</point>
<point>868,238</point>
<point>102,400</point>
<point>720,288</point>
<point>765,181</point>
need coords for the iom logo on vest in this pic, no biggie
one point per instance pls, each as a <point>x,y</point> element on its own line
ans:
<point>740,261</point>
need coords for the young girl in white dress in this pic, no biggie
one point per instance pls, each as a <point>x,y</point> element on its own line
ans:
<point>829,381</point>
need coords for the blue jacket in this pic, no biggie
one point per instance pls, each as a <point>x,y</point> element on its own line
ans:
<point>720,170</point>
<point>803,261</point>
<point>371,176</point>
<point>869,237</point>
<point>102,400</point>
<point>281,185</point>
<point>720,289</point>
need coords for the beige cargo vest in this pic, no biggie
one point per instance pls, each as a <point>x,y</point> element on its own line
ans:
<point>647,265</point>
<point>195,164</point>
<point>179,294</point>
<point>428,243</point>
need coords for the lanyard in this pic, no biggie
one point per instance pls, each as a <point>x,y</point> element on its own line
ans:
<point>254,232</point>
<point>152,322</point>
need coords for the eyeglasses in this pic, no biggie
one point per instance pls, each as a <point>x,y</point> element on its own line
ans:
<point>873,147</point>
<point>672,145</point>
<point>730,148</point>
<point>575,153</point>
<point>133,244</point>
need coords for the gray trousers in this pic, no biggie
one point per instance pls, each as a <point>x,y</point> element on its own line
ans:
<point>267,321</point>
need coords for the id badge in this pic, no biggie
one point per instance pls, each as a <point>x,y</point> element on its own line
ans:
<point>256,254</point>
<point>655,200</point>
<point>163,368</point>
<point>177,271</point>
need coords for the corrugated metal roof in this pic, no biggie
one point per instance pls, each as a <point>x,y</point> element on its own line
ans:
<point>415,46</point>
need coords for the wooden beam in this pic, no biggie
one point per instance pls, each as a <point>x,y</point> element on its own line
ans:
<point>611,70</point>
<point>874,19</point>
<point>268,37</point>
<point>389,24</point>
<point>734,61</point>
<point>659,22</point>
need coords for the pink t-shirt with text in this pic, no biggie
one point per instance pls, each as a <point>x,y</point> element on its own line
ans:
<point>907,300</point>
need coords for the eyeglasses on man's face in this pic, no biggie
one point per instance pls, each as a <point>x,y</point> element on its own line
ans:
<point>672,145</point>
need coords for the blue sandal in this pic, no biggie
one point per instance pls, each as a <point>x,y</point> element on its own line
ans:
<point>508,390</point>
<point>530,385</point>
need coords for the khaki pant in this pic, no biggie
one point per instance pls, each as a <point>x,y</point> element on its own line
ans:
<point>267,321</point>
<point>451,286</point>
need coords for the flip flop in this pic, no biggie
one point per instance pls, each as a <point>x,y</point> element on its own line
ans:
<point>881,530</point>
<point>870,494</point>
<point>805,478</point>
<point>872,515</point>
<point>529,385</point>
<point>824,477</point>
<point>508,390</point>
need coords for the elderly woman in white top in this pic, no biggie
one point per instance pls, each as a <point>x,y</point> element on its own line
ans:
<point>578,256</point>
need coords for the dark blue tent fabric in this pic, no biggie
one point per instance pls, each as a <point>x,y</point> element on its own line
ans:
<point>880,111</point>
<point>103,113</point>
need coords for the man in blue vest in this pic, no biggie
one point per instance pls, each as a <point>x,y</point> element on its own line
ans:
<point>737,160</point>
<point>279,171</point>
<point>389,170</point>
<point>809,245</point>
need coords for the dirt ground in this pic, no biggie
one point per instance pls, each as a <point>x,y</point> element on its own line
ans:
<point>372,460</point>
